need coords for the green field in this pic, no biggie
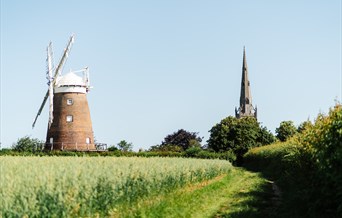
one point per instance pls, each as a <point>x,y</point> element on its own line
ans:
<point>88,186</point>
<point>129,187</point>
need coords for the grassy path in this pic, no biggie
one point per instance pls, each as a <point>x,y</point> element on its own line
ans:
<point>239,194</point>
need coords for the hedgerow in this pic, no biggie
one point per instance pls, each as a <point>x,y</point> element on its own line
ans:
<point>190,153</point>
<point>308,167</point>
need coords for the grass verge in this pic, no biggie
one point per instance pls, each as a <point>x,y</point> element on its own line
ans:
<point>238,194</point>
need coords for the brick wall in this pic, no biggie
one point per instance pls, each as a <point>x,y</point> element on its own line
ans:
<point>74,132</point>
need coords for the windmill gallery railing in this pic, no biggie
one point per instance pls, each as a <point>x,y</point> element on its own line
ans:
<point>68,146</point>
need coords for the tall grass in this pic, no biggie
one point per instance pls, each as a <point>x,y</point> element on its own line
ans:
<point>92,186</point>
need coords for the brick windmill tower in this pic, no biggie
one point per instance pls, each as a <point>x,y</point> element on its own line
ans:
<point>69,126</point>
<point>246,108</point>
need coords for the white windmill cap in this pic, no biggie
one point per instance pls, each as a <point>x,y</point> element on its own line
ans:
<point>70,83</point>
<point>70,79</point>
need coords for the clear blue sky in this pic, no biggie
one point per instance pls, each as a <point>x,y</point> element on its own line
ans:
<point>158,66</point>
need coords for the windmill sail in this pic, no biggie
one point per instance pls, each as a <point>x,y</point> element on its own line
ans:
<point>50,68</point>
<point>58,70</point>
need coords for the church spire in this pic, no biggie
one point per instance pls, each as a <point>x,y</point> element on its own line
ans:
<point>246,108</point>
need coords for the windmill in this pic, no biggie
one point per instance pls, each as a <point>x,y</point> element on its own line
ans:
<point>69,125</point>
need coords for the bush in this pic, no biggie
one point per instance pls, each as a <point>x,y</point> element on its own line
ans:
<point>307,167</point>
<point>113,148</point>
<point>324,141</point>
<point>166,148</point>
<point>285,130</point>
<point>28,144</point>
<point>192,152</point>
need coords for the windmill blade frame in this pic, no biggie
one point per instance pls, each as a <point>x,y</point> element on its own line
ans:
<point>57,72</point>
<point>41,108</point>
<point>50,69</point>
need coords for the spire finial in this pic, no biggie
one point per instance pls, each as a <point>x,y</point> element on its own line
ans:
<point>244,58</point>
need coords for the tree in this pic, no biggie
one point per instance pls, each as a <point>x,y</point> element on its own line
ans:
<point>178,141</point>
<point>194,143</point>
<point>265,136</point>
<point>285,130</point>
<point>112,148</point>
<point>304,125</point>
<point>238,136</point>
<point>28,144</point>
<point>125,146</point>
<point>182,138</point>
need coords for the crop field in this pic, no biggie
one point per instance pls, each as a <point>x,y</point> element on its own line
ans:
<point>94,186</point>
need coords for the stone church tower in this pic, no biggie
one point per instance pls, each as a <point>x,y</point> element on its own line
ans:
<point>246,108</point>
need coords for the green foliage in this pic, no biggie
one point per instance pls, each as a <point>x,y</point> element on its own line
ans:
<point>112,148</point>
<point>182,139</point>
<point>166,148</point>
<point>304,125</point>
<point>222,135</point>
<point>324,142</point>
<point>203,154</point>
<point>227,155</point>
<point>265,136</point>
<point>285,130</point>
<point>194,143</point>
<point>238,135</point>
<point>193,151</point>
<point>307,166</point>
<point>27,144</point>
<point>125,146</point>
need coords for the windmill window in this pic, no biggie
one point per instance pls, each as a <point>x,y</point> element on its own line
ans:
<point>88,140</point>
<point>69,118</point>
<point>70,101</point>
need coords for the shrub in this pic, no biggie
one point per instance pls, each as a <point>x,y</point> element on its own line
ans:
<point>112,148</point>
<point>166,148</point>
<point>307,167</point>
<point>285,130</point>
<point>192,152</point>
<point>28,144</point>
<point>324,141</point>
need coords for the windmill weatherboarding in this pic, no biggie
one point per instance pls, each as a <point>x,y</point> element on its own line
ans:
<point>69,126</point>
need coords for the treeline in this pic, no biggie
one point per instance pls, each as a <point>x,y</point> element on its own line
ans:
<point>229,139</point>
<point>307,167</point>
